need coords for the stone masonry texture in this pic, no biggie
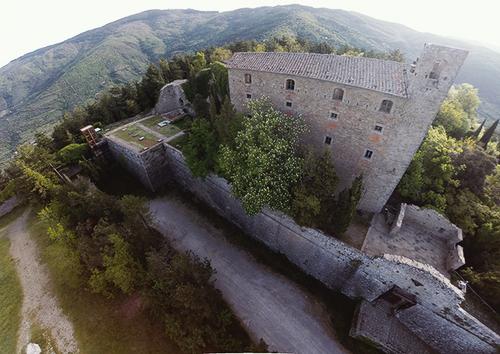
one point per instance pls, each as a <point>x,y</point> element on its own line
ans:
<point>348,270</point>
<point>437,320</point>
<point>358,112</point>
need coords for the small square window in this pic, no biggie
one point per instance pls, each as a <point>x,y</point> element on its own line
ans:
<point>368,154</point>
<point>249,96</point>
<point>328,140</point>
<point>334,115</point>
<point>288,103</point>
<point>378,128</point>
<point>248,79</point>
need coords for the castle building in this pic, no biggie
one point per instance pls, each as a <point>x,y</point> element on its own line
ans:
<point>373,114</point>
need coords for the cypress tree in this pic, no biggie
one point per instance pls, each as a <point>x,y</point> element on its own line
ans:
<point>477,132</point>
<point>346,205</point>
<point>488,134</point>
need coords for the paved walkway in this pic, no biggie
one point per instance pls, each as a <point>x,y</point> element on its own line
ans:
<point>270,306</point>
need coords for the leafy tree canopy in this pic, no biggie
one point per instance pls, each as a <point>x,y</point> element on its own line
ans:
<point>458,113</point>
<point>313,195</point>
<point>201,149</point>
<point>263,166</point>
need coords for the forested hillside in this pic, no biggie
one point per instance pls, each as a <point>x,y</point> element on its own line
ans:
<point>37,88</point>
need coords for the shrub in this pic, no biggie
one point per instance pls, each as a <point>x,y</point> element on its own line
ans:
<point>72,153</point>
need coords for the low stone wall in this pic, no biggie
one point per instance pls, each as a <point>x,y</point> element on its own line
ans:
<point>435,223</point>
<point>441,227</point>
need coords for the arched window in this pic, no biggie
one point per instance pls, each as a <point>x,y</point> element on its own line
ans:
<point>338,94</point>
<point>386,106</point>
<point>290,84</point>
<point>248,79</point>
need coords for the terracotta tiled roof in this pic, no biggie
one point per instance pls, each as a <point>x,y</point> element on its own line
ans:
<point>374,74</point>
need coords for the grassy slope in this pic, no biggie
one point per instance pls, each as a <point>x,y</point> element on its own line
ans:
<point>41,85</point>
<point>10,294</point>
<point>102,325</point>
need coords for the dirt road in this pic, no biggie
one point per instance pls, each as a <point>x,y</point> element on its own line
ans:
<point>270,306</point>
<point>39,304</point>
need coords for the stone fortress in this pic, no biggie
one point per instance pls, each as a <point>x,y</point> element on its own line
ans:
<point>400,276</point>
<point>372,113</point>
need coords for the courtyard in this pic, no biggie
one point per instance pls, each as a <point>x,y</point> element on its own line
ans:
<point>147,132</point>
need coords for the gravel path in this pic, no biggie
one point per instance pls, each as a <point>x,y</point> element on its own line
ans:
<point>270,306</point>
<point>39,304</point>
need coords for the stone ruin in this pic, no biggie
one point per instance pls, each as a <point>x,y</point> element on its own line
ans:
<point>172,99</point>
<point>417,233</point>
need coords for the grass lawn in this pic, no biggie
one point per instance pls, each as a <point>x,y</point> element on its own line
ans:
<point>133,133</point>
<point>104,325</point>
<point>167,131</point>
<point>11,294</point>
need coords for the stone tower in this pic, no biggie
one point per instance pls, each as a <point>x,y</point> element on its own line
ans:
<point>373,114</point>
<point>430,78</point>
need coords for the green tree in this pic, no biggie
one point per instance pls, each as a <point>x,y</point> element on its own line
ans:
<point>198,63</point>
<point>453,118</point>
<point>120,270</point>
<point>486,283</point>
<point>475,164</point>
<point>62,247</point>
<point>432,170</point>
<point>73,153</point>
<point>263,166</point>
<point>201,148</point>
<point>149,88</point>
<point>201,106</point>
<point>179,286</point>
<point>396,55</point>
<point>41,185</point>
<point>493,185</point>
<point>345,207</point>
<point>220,54</point>
<point>313,194</point>
<point>219,83</point>
<point>467,96</point>
<point>458,113</point>
<point>166,74</point>
<point>227,123</point>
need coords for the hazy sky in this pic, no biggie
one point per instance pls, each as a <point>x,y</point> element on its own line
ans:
<point>29,25</point>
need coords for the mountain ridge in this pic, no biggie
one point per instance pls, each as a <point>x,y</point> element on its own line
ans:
<point>36,88</point>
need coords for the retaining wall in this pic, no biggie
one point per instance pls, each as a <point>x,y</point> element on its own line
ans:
<point>348,270</point>
<point>148,166</point>
<point>438,319</point>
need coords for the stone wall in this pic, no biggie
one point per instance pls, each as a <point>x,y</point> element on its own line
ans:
<point>439,226</point>
<point>348,270</point>
<point>434,223</point>
<point>397,338</point>
<point>352,132</point>
<point>148,166</point>
<point>437,319</point>
<point>171,97</point>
